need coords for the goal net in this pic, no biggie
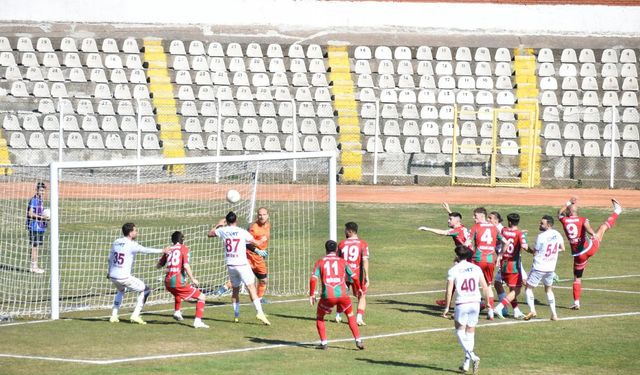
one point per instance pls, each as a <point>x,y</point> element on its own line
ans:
<point>90,201</point>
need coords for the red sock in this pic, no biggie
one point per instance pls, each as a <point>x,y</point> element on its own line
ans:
<point>261,289</point>
<point>361,312</point>
<point>322,331</point>
<point>177,304</point>
<point>577,288</point>
<point>199,309</point>
<point>505,302</point>
<point>514,303</point>
<point>491,302</point>
<point>354,327</point>
<point>611,221</point>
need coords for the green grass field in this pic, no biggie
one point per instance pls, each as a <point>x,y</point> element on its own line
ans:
<point>404,335</point>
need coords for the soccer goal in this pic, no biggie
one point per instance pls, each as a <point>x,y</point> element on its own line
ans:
<point>91,200</point>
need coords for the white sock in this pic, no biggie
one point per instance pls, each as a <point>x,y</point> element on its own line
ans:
<point>516,311</point>
<point>530,300</point>
<point>471,342</point>
<point>197,320</point>
<point>358,316</point>
<point>236,309</point>
<point>552,302</point>
<point>139,304</point>
<point>117,301</point>
<point>499,307</point>
<point>257,305</point>
<point>462,336</point>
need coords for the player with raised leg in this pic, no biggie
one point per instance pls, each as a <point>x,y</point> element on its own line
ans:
<point>511,266</point>
<point>235,241</point>
<point>545,257</point>
<point>333,273</point>
<point>121,258</point>
<point>175,281</point>
<point>583,246</point>
<point>467,278</point>
<point>355,252</point>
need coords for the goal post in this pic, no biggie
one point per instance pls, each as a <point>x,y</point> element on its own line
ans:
<point>90,201</point>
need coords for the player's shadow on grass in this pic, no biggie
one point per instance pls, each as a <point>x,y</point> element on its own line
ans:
<point>427,309</point>
<point>262,340</point>
<point>298,317</point>
<point>405,364</point>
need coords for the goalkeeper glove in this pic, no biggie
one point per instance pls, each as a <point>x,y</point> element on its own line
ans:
<point>262,253</point>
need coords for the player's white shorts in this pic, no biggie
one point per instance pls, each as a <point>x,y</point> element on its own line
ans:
<point>467,314</point>
<point>241,275</point>
<point>131,283</point>
<point>536,276</point>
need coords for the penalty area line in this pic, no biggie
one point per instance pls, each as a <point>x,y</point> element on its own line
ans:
<point>302,344</point>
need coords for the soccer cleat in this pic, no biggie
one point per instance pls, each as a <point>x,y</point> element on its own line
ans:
<point>263,318</point>
<point>37,270</point>
<point>464,367</point>
<point>617,208</point>
<point>360,345</point>
<point>361,322</point>
<point>476,364</point>
<point>338,318</point>
<point>530,316</point>
<point>114,319</point>
<point>518,316</point>
<point>322,347</point>
<point>554,317</point>
<point>264,301</point>
<point>236,320</point>
<point>137,320</point>
<point>199,324</point>
<point>178,316</point>
<point>441,302</point>
<point>575,306</point>
<point>498,313</point>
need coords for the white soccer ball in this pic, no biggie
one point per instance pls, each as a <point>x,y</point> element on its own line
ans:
<point>233,196</point>
<point>46,213</point>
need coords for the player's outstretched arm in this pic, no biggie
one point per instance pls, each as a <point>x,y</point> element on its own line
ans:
<point>212,231</point>
<point>440,232</point>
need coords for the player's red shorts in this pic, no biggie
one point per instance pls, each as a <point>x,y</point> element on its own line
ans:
<point>343,305</point>
<point>184,292</point>
<point>487,271</point>
<point>580,261</point>
<point>512,279</point>
<point>258,264</point>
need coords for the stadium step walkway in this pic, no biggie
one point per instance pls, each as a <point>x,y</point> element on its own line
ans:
<point>527,97</point>
<point>161,88</point>
<point>344,102</point>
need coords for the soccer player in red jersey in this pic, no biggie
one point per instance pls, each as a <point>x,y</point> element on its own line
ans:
<point>333,273</point>
<point>483,239</point>
<point>511,265</point>
<point>583,246</point>
<point>355,252</point>
<point>175,281</point>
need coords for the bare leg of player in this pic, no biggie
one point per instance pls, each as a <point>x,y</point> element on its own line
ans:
<point>611,221</point>
<point>235,301</point>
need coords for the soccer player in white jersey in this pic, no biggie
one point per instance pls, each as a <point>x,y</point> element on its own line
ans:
<point>121,258</point>
<point>467,279</point>
<point>234,240</point>
<point>545,256</point>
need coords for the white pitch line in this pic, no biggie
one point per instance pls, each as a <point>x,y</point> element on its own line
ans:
<point>292,344</point>
<point>600,290</point>
<point>602,277</point>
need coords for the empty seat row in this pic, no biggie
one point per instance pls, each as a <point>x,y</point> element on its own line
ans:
<point>254,65</point>
<point>250,125</point>
<point>215,49</point>
<point>462,68</point>
<point>103,107</point>
<point>589,84</point>
<point>265,109</point>
<point>424,112</point>
<point>466,129</point>
<point>590,131</point>
<point>590,99</point>
<point>71,60</point>
<point>443,53</point>
<point>120,91</point>
<point>588,70</point>
<point>243,93</point>
<point>75,140</point>
<point>407,81</point>
<point>443,96</point>
<point>97,75</point>
<point>591,149</point>
<point>68,44</point>
<point>32,122</point>
<point>253,142</point>
<point>590,114</point>
<point>587,55</point>
<point>432,145</point>
<point>183,77</point>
